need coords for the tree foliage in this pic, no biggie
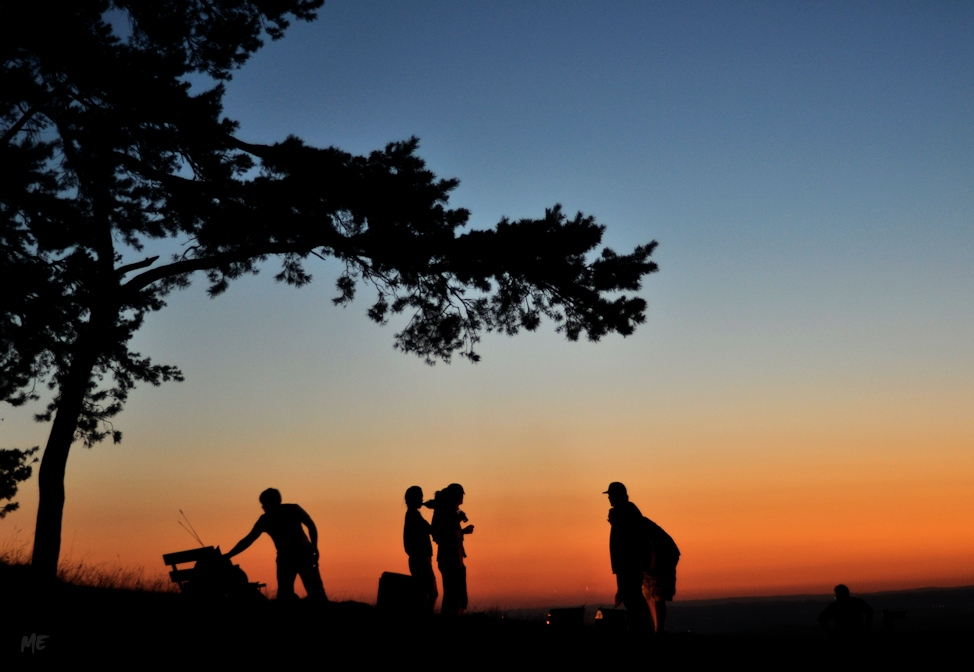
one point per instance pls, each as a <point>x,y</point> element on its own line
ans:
<point>105,147</point>
<point>15,467</point>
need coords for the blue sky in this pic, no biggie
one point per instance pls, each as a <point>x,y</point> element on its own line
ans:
<point>807,171</point>
<point>806,168</point>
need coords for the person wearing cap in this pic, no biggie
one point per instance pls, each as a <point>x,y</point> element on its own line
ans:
<point>448,535</point>
<point>629,555</point>
<point>296,554</point>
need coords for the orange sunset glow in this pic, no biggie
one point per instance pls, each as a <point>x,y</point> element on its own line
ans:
<point>795,410</point>
<point>767,496</point>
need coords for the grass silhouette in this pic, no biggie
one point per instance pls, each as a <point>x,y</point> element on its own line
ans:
<point>15,552</point>
<point>107,612</point>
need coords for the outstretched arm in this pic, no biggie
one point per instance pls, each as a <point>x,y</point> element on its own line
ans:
<point>245,543</point>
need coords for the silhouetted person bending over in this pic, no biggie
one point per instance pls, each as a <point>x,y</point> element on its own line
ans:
<point>629,553</point>
<point>850,616</point>
<point>416,540</point>
<point>296,555</point>
<point>448,534</point>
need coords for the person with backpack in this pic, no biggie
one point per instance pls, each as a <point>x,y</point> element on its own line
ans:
<point>644,559</point>
<point>629,553</point>
<point>659,579</point>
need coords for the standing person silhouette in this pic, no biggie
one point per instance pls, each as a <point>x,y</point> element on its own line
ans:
<point>416,540</point>
<point>629,555</point>
<point>448,534</point>
<point>851,617</point>
<point>296,554</point>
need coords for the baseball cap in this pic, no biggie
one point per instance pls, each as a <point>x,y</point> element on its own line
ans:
<point>616,487</point>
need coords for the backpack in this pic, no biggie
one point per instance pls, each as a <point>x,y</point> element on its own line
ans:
<point>665,552</point>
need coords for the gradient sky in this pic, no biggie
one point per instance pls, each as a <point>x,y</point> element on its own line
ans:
<point>796,411</point>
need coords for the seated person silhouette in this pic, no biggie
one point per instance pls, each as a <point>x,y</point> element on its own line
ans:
<point>850,616</point>
<point>296,554</point>
<point>416,540</point>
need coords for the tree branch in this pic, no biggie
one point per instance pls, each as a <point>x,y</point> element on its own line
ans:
<point>20,123</point>
<point>151,173</point>
<point>148,261</point>
<point>29,114</point>
<point>31,257</point>
<point>262,151</point>
<point>143,280</point>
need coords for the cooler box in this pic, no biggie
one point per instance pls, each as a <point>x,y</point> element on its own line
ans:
<point>398,594</point>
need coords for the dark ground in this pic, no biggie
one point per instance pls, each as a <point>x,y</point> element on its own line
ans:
<point>138,628</point>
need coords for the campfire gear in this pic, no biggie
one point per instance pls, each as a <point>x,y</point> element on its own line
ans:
<point>212,576</point>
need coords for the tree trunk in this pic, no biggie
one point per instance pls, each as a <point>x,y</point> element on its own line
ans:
<point>50,478</point>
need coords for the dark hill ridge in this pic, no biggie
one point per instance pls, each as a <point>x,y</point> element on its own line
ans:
<point>927,609</point>
<point>101,624</point>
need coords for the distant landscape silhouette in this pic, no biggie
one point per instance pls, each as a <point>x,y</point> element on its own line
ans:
<point>213,611</point>
<point>124,178</point>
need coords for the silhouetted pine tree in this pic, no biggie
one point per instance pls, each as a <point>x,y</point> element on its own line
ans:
<point>104,146</point>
